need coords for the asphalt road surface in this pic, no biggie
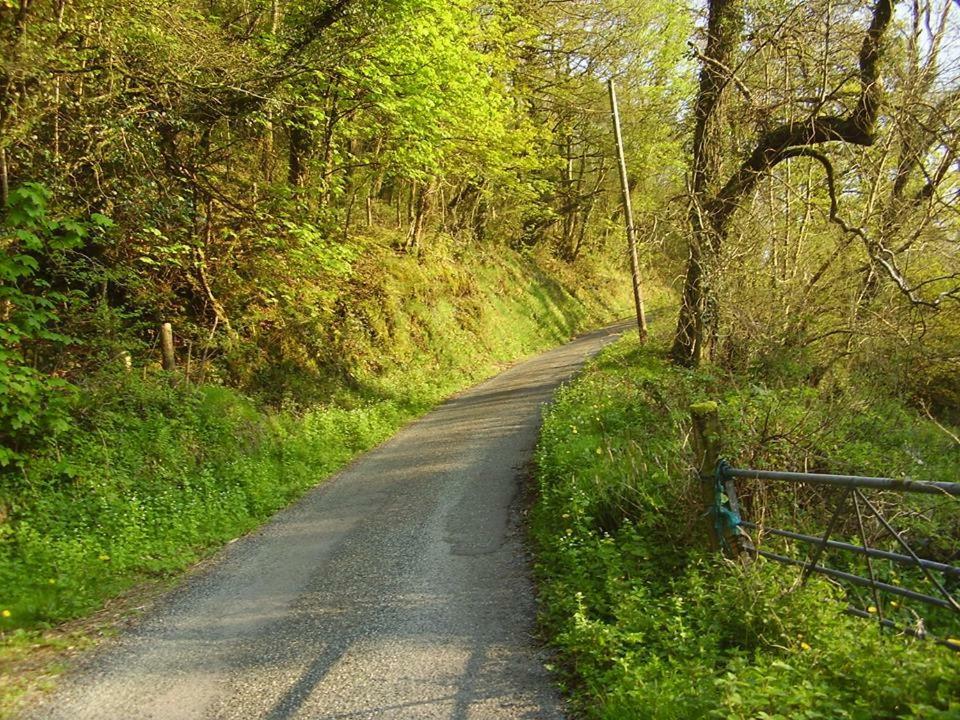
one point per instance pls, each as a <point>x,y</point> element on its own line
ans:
<point>400,588</point>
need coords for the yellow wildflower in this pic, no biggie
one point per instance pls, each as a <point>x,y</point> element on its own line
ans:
<point>5,613</point>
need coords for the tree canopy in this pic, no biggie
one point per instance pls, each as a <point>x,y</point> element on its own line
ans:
<point>235,157</point>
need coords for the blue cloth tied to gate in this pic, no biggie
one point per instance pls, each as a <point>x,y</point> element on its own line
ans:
<point>726,521</point>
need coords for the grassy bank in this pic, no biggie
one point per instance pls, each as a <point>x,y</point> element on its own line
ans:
<point>151,477</point>
<point>648,625</point>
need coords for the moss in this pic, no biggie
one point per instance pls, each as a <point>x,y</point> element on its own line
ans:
<point>707,407</point>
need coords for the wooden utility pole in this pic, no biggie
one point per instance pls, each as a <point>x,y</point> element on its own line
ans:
<point>628,216</point>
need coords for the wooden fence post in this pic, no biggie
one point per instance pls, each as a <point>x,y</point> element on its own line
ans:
<point>166,347</point>
<point>722,518</point>
<point>706,453</point>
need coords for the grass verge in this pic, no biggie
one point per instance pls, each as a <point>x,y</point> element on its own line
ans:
<point>153,476</point>
<point>648,625</point>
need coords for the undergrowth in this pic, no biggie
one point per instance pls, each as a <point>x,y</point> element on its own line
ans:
<point>151,475</point>
<point>648,624</point>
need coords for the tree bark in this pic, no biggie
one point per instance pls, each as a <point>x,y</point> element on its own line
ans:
<point>421,205</point>
<point>300,143</point>
<point>723,32</point>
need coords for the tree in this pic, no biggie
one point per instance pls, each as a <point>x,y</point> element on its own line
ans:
<point>714,199</point>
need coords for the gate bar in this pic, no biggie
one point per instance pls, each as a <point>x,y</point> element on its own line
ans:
<point>950,643</point>
<point>858,580</point>
<point>872,552</point>
<point>848,481</point>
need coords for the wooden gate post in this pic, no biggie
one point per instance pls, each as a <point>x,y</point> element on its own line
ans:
<point>722,516</point>
<point>706,453</point>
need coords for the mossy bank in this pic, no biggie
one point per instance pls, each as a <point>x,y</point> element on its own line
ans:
<point>155,471</point>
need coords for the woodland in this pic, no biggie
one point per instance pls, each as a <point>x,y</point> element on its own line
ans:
<point>348,209</point>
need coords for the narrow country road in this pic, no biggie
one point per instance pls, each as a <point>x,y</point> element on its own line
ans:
<point>400,588</point>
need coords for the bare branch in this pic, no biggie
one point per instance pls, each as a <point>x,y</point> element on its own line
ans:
<point>878,253</point>
<point>952,435</point>
<point>731,74</point>
<point>856,128</point>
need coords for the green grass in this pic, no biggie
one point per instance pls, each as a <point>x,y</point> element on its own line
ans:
<point>648,624</point>
<point>152,477</point>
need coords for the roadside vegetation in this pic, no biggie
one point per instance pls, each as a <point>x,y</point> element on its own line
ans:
<point>149,471</point>
<point>817,278</point>
<point>649,624</point>
<point>347,209</point>
<point>153,470</point>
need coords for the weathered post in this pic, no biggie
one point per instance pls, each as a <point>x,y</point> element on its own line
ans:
<point>721,514</point>
<point>166,347</point>
<point>706,453</point>
<point>628,216</point>
<point>4,178</point>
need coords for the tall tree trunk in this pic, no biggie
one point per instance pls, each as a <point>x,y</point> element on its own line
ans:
<point>300,145</point>
<point>713,206</point>
<point>569,202</point>
<point>723,31</point>
<point>478,217</point>
<point>332,97</point>
<point>421,205</point>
